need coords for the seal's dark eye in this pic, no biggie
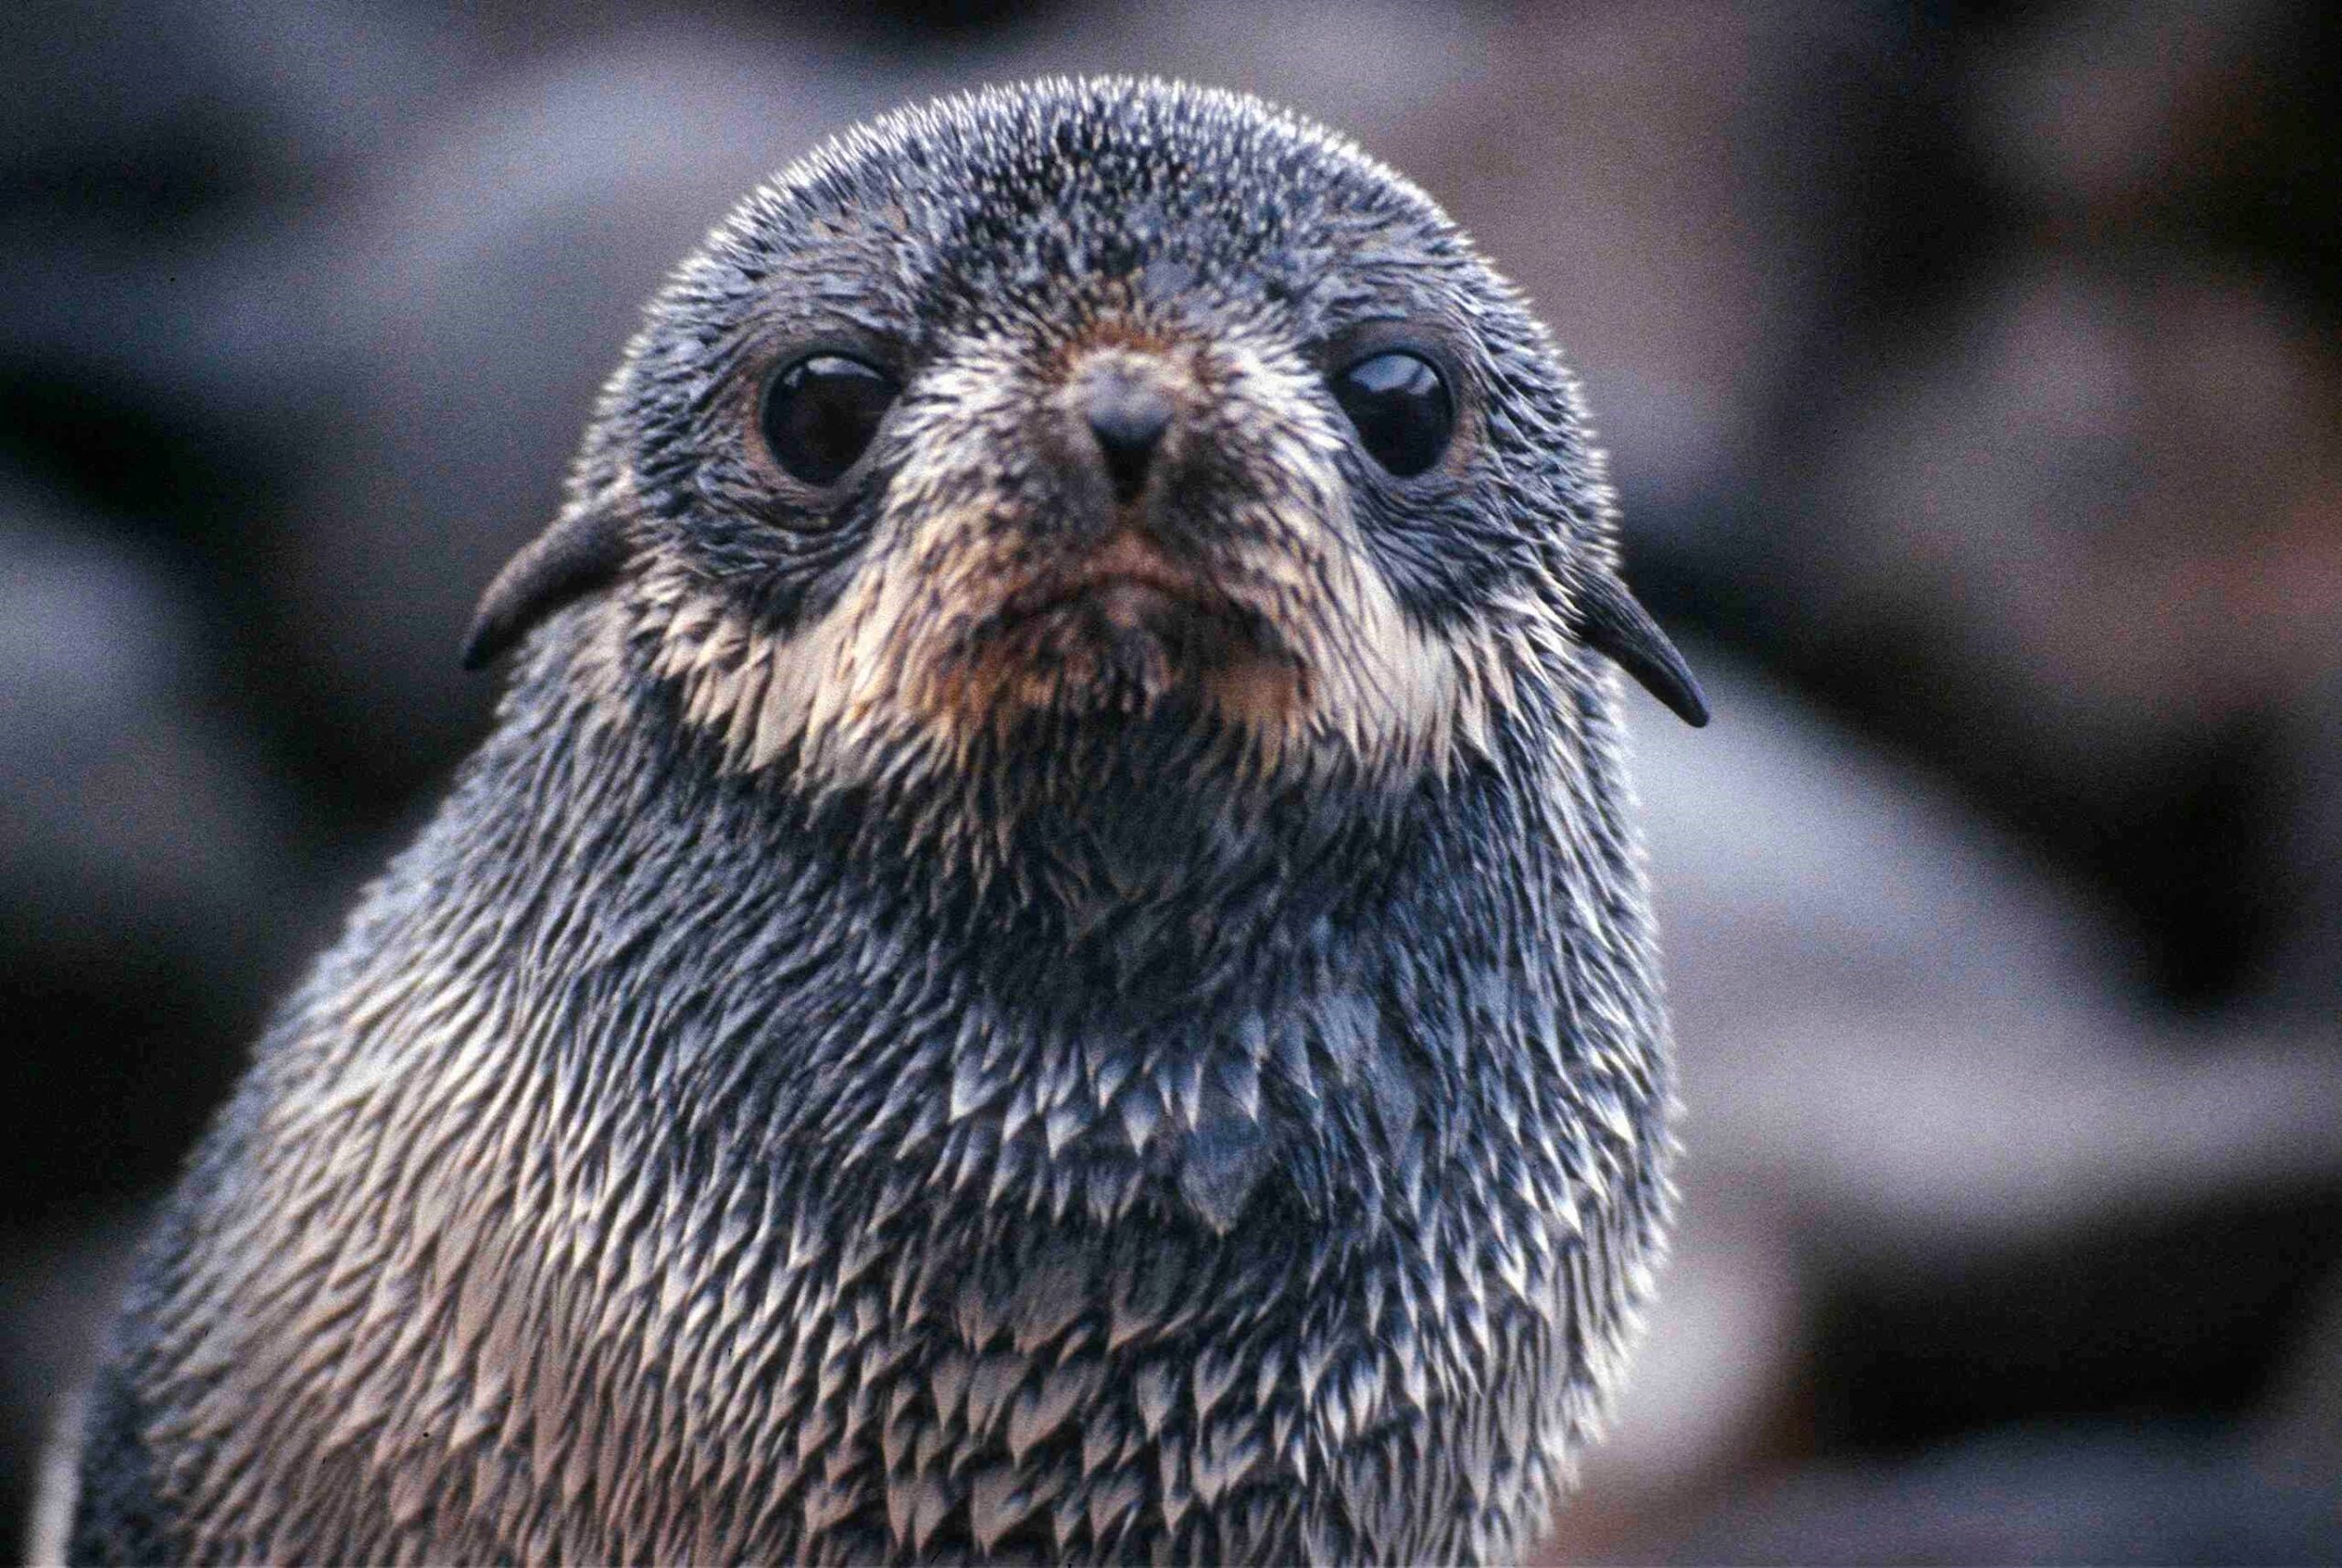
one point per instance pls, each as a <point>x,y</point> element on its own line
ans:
<point>1400,406</point>
<point>822,412</point>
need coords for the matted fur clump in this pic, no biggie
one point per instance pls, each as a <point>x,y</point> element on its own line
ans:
<point>1047,957</point>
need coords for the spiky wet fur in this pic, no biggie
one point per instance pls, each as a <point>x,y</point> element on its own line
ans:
<point>1095,1138</point>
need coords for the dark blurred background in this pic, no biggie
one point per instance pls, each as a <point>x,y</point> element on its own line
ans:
<point>1973,382</point>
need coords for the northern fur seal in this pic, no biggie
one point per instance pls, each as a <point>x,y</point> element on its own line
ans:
<point>1047,957</point>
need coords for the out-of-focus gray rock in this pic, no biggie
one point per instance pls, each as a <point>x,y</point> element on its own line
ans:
<point>132,816</point>
<point>295,84</point>
<point>144,859</point>
<point>2105,506</point>
<point>1372,71</point>
<point>2130,1494</point>
<point>200,135</point>
<point>1892,1025</point>
<point>2300,984</point>
<point>2297,1431</point>
<point>2133,109</point>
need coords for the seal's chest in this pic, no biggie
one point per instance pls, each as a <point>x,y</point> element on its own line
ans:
<point>880,1370</point>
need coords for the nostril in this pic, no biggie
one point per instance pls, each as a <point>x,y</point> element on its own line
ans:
<point>1129,420</point>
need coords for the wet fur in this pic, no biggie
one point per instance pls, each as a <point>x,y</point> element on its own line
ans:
<point>777,1113</point>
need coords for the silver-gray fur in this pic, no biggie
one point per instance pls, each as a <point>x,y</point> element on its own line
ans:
<point>853,1074</point>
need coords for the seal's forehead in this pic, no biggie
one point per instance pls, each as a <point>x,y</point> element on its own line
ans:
<point>1021,193</point>
<point>1106,151</point>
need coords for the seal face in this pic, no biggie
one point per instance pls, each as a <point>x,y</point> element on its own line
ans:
<point>1122,467</point>
<point>1047,956</point>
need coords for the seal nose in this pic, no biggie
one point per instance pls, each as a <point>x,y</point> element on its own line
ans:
<point>1128,416</point>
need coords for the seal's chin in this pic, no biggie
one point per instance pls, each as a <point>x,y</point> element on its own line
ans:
<point>1121,629</point>
<point>1123,606</point>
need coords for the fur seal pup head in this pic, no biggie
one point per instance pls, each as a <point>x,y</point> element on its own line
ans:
<point>1050,410</point>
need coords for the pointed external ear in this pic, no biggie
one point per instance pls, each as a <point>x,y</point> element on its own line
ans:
<point>583,550</point>
<point>1613,623</point>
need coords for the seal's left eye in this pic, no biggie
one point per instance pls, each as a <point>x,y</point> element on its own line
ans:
<point>821,413</point>
<point>1400,405</point>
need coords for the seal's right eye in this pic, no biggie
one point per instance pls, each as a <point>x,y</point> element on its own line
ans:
<point>821,413</point>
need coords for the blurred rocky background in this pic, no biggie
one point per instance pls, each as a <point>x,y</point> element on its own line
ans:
<point>1974,385</point>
